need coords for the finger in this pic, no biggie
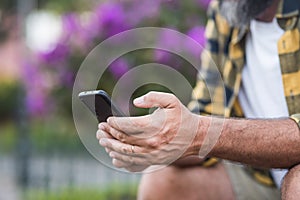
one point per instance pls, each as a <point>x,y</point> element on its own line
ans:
<point>119,147</point>
<point>130,125</point>
<point>124,138</point>
<point>136,168</point>
<point>120,164</point>
<point>103,134</point>
<point>108,150</point>
<point>130,160</point>
<point>131,168</point>
<point>156,99</point>
<point>101,125</point>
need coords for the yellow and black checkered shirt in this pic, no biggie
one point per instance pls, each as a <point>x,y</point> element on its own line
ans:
<point>225,57</point>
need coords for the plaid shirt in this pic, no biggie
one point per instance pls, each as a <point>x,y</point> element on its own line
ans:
<point>225,58</point>
<point>220,76</point>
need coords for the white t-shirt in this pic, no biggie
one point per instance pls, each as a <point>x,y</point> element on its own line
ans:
<point>262,94</point>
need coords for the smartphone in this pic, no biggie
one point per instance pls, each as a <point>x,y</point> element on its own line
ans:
<point>100,104</point>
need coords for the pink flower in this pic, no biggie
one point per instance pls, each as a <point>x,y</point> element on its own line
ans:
<point>119,67</point>
<point>198,34</point>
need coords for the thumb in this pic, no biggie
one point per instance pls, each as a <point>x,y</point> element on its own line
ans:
<point>156,99</point>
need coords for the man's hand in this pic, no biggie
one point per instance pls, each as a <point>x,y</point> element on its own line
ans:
<point>136,143</point>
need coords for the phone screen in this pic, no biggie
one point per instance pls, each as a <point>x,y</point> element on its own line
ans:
<point>103,108</point>
<point>100,104</point>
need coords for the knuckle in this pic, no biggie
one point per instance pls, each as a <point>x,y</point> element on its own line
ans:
<point>174,99</point>
<point>172,96</point>
<point>124,149</point>
<point>164,139</point>
<point>120,136</point>
<point>150,96</point>
<point>153,143</point>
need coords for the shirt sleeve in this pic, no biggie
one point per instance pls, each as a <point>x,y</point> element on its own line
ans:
<point>208,91</point>
<point>296,118</point>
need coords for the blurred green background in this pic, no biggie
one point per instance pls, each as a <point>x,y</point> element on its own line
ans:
<point>42,45</point>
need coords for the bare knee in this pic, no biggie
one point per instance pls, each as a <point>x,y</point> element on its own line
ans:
<point>162,184</point>
<point>291,184</point>
<point>186,183</point>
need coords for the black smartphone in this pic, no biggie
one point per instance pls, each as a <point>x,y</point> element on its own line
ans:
<point>99,103</point>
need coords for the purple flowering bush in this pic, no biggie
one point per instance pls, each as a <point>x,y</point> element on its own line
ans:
<point>48,76</point>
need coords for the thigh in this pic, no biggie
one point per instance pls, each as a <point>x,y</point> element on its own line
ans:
<point>246,188</point>
<point>187,183</point>
<point>291,184</point>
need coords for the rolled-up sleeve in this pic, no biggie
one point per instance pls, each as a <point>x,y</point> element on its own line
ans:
<point>296,118</point>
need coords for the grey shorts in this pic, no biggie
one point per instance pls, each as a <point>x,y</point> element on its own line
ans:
<point>245,187</point>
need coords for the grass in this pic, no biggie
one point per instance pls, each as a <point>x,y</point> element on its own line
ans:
<point>112,192</point>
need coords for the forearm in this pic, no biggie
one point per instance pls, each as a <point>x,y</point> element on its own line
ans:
<point>188,161</point>
<point>263,143</point>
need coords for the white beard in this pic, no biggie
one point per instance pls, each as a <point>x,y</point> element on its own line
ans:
<point>239,12</point>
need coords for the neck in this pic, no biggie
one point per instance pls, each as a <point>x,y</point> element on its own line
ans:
<point>269,14</point>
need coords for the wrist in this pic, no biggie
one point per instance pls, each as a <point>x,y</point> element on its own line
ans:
<point>188,161</point>
<point>202,124</point>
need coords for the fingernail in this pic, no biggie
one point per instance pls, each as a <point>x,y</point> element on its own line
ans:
<point>138,100</point>
<point>106,149</point>
<point>103,142</point>
<point>101,126</point>
<point>98,134</point>
<point>112,154</point>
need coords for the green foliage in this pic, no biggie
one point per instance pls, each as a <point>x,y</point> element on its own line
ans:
<point>83,32</point>
<point>61,6</point>
<point>46,137</point>
<point>181,15</point>
<point>8,5</point>
<point>9,99</point>
<point>55,135</point>
<point>7,137</point>
<point>112,192</point>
